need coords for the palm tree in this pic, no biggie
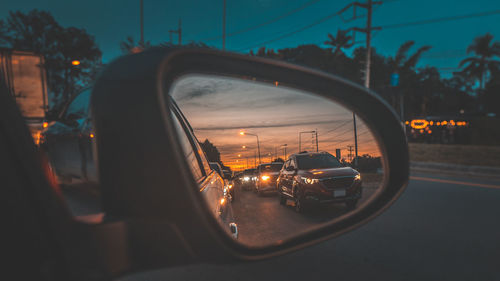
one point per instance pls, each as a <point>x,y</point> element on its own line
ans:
<point>402,62</point>
<point>130,46</point>
<point>341,41</point>
<point>482,63</point>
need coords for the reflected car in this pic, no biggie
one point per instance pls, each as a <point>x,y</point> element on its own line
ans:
<point>267,175</point>
<point>216,167</point>
<point>70,149</point>
<point>312,179</point>
<point>248,178</point>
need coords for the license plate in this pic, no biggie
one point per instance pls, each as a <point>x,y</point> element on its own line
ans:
<point>339,193</point>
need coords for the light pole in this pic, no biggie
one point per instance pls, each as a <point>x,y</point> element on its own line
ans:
<point>308,132</point>
<point>258,143</point>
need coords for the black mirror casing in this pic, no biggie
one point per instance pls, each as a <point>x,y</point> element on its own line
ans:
<point>168,223</point>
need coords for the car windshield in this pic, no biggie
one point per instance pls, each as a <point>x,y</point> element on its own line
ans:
<point>317,161</point>
<point>271,167</point>
<point>79,107</point>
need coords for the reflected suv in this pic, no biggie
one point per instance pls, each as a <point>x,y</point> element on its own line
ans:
<point>267,174</point>
<point>318,178</point>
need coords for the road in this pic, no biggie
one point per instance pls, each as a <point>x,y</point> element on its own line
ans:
<point>442,228</point>
<point>262,220</point>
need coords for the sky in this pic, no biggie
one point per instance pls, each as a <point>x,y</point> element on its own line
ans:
<point>219,109</point>
<point>111,21</point>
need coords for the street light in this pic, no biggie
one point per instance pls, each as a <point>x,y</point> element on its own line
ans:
<point>308,132</point>
<point>258,143</point>
<point>75,62</point>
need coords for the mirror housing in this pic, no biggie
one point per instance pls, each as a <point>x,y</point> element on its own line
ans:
<point>138,83</point>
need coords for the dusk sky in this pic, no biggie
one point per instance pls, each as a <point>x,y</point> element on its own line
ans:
<point>112,21</point>
<point>218,109</point>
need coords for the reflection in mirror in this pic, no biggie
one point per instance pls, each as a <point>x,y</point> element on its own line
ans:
<point>291,161</point>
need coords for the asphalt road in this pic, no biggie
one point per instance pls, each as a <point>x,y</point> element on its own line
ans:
<point>262,220</point>
<point>442,228</point>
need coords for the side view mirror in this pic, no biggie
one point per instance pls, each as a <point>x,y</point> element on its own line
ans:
<point>243,108</point>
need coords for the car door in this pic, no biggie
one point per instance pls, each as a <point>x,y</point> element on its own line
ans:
<point>211,184</point>
<point>290,176</point>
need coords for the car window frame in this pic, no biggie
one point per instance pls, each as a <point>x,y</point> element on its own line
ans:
<point>194,145</point>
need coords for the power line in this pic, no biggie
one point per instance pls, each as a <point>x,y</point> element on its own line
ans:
<point>442,19</point>
<point>342,125</point>
<point>273,20</point>
<point>319,21</point>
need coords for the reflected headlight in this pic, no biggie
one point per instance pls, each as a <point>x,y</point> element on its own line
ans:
<point>246,178</point>
<point>230,186</point>
<point>265,178</point>
<point>357,177</point>
<point>309,181</point>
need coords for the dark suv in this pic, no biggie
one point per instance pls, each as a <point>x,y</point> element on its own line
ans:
<point>267,174</point>
<point>318,178</point>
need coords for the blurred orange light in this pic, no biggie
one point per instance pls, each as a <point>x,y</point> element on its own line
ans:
<point>407,122</point>
<point>91,135</point>
<point>431,123</point>
<point>75,62</point>
<point>444,123</point>
<point>45,124</point>
<point>429,132</point>
<point>438,123</point>
<point>222,201</point>
<point>421,131</point>
<point>242,133</point>
<point>452,122</point>
<point>419,123</point>
<point>276,83</point>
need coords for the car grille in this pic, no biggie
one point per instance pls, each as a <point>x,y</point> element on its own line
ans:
<point>338,182</point>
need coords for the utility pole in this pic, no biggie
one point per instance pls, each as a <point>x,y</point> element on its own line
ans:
<point>317,148</point>
<point>178,31</point>
<point>349,148</point>
<point>142,22</point>
<point>284,151</point>
<point>368,5</point>
<point>224,26</point>
<point>355,140</point>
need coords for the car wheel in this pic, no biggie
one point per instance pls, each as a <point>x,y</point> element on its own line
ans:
<point>300,206</point>
<point>351,204</point>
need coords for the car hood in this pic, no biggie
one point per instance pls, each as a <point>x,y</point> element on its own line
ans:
<point>328,173</point>
<point>270,173</point>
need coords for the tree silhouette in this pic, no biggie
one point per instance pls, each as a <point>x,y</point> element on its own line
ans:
<point>211,151</point>
<point>339,42</point>
<point>129,46</point>
<point>401,62</point>
<point>38,31</point>
<point>482,63</point>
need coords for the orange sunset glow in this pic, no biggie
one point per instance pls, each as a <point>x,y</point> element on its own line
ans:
<point>233,114</point>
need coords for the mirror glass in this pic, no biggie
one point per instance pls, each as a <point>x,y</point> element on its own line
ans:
<point>279,161</point>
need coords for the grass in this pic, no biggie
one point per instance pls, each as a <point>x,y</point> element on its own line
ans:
<point>473,155</point>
